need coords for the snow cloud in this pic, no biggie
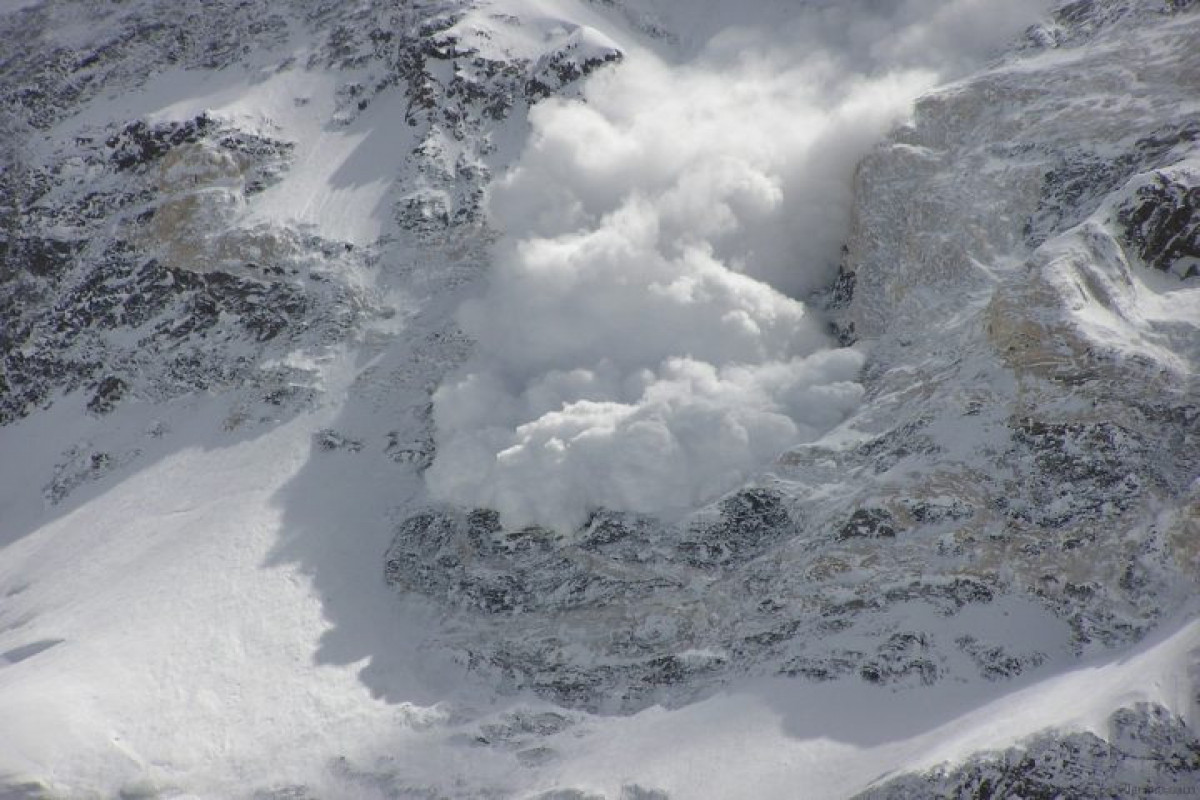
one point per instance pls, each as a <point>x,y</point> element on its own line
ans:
<point>643,343</point>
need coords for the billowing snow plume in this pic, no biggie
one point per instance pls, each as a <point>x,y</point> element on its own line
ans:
<point>641,344</point>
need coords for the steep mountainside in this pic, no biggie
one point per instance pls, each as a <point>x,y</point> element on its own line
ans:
<point>867,358</point>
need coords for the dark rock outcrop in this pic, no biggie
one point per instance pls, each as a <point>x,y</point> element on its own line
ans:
<point>1148,751</point>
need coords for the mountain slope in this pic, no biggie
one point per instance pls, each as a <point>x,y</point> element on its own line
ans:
<point>277,278</point>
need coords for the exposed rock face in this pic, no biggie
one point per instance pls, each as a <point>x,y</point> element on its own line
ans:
<point>1054,253</point>
<point>121,253</point>
<point>1162,223</point>
<point>129,267</point>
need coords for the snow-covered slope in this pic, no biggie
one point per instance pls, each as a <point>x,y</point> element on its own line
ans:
<point>599,398</point>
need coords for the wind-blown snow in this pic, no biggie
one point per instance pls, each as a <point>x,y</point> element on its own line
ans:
<point>644,344</point>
